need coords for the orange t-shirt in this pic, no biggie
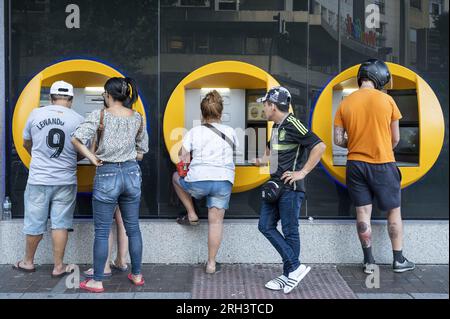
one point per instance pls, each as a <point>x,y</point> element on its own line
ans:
<point>366,116</point>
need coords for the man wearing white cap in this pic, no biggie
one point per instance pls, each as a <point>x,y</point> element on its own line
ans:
<point>52,180</point>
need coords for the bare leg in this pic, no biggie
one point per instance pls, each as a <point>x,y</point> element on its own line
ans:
<point>32,243</point>
<point>215,232</point>
<point>185,198</point>
<point>395,228</point>
<point>107,269</point>
<point>122,241</point>
<point>363,214</point>
<point>364,228</point>
<point>59,237</point>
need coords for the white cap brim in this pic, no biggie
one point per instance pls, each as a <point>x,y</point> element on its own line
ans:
<point>261,99</point>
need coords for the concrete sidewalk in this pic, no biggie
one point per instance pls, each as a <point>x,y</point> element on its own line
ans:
<point>235,281</point>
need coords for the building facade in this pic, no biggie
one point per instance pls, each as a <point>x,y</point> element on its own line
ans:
<point>301,43</point>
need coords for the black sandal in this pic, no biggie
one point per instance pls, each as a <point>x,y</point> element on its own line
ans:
<point>17,267</point>
<point>217,268</point>
<point>184,220</point>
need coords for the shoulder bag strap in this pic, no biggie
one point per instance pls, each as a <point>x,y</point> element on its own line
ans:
<point>222,135</point>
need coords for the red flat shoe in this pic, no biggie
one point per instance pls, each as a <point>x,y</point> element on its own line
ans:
<point>141,283</point>
<point>83,285</point>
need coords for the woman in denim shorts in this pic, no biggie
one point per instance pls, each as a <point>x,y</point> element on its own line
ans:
<point>211,172</point>
<point>122,140</point>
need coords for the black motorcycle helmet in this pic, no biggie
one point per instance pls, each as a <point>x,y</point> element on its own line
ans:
<point>375,70</point>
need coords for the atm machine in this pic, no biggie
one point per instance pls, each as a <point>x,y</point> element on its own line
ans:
<point>88,78</point>
<point>422,127</point>
<point>241,112</point>
<point>339,153</point>
<point>407,150</point>
<point>85,100</point>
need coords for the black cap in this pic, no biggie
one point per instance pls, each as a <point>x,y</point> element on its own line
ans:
<point>375,70</point>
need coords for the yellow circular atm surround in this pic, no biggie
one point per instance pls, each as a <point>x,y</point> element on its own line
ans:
<point>431,120</point>
<point>224,74</point>
<point>79,73</point>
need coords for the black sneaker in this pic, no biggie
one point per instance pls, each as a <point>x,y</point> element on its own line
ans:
<point>404,266</point>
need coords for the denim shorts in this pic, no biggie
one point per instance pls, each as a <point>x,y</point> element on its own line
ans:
<point>40,200</point>
<point>217,193</point>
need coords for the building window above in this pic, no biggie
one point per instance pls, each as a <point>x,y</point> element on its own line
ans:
<point>416,4</point>
<point>227,5</point>
<point>435,9</point>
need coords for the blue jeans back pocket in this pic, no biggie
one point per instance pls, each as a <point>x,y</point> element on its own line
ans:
<point>135,177</point>
<point>105,182</point>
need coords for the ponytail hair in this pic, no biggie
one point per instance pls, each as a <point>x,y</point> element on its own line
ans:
<point>212,106</point>
<point>123,90</point>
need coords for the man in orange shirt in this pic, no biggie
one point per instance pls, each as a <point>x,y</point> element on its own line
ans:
<point>367,123</point>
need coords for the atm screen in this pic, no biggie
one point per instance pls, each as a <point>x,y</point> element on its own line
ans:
<point>256,126</point>
<point>85,100</point>
<point>407,103</point>
<point>45,97</point>
<point>255,110</point>
<point>407,150</point>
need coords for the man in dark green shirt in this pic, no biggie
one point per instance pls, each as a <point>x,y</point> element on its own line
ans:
<point>293,152</point>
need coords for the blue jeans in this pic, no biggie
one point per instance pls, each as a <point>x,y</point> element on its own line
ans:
<point>286,209</point>
<point>117,184</point>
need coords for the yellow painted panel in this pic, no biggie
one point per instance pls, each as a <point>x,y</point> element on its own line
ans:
<point>224,74</point>
<point>80,73</point>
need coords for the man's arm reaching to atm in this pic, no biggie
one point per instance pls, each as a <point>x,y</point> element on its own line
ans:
<point>340,137</point>
<point>395,131</point>
<point>264,161</point>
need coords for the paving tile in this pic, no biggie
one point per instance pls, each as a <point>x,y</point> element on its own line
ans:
<point>384,296</point>
<point>246,281</point>
<point>233,282</point>
<point>429,296</point>
<point>424,279</point>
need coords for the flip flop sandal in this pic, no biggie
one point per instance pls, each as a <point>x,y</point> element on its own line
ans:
<point>217,269</point>
<point>21,269</point>
<point>83,285</point>
<point>68,270</point>
<point>184,220</point>
<point>89,275</point>
<point>121,269</point>
<point>141,283</point>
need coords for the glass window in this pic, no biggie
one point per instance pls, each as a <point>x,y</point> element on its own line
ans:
<point>413,46</point>
<point>258,5</point>
<point>125,39</point>
<point>435,9</point>
<point>227,5</point>
<point>416,4</point>
<point>303,55</point>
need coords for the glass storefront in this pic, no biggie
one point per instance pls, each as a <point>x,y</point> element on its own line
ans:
<point>303,44</point>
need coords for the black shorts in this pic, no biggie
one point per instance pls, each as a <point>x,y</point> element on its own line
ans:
<point>366,181</point>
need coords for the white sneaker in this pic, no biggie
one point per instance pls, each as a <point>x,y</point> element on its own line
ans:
<point>277,283</point>
<point>369,268</point>
<point>295,277</point>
